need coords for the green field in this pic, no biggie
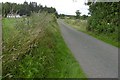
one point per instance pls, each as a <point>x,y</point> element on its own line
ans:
<point>81,26</point>
<point>34,48</point>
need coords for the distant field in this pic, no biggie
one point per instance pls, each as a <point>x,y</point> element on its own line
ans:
<point>78,24</point>
<point>34,48</point>
<point>81,26</point>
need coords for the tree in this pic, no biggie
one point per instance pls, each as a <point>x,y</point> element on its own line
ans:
<point>104,18</point>
<point>6,8</point>
<point>62,16</point>
<point>84,17</point>
<point>77,14</point>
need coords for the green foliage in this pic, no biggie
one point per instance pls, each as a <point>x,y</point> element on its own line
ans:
<point>6,9</point>
<point>77,14</point>
<point>104,18</point>
<point>34,48</point>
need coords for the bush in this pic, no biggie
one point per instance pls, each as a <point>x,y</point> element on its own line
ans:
<point>104,18</point>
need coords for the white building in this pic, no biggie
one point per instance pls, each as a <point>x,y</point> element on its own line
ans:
<point>13,16</point>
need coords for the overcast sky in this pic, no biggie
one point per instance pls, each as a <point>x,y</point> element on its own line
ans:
<point>62,6</point>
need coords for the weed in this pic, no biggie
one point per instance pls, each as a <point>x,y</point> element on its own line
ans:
<point>34,48</point>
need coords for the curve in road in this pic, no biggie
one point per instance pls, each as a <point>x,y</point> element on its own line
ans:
<point>97,59</point>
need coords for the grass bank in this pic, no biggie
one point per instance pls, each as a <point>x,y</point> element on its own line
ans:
<point>34,48</point>
<point>81,26</point>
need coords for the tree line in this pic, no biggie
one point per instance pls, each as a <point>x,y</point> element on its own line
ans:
<point>25,8</point>
<point>77,16</point>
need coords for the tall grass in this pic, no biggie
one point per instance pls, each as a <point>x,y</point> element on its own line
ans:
<point>78,24</point>
<point>34,48</point>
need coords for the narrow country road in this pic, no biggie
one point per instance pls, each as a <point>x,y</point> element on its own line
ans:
<point>97,59</point>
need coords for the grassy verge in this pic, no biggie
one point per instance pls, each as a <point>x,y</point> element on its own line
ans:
<point>81,26</point>
<point>34,48</point>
